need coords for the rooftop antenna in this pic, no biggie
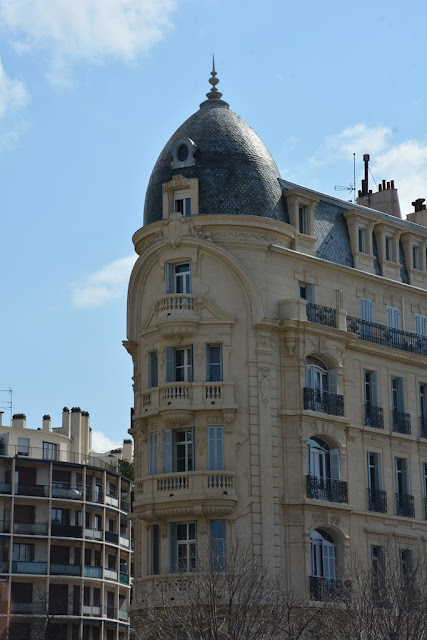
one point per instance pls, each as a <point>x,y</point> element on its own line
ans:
<point>8,404</point>
<point>352,186</point>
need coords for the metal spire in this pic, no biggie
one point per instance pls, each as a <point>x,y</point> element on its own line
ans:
<point>213,94</point>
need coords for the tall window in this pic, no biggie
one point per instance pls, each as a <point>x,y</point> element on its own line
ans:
<point>423,409</point>
<point>377,497</point>
<point>420,324</point>
<point>183,546</point>
<point>213,363</point>
<point>215,448</point>
<point>155,549</point>
<point>23,552</point>
<point>23,446</point>
<point>218,545</point>
<point>323,462</point>
<point>303,219</point>
<point>152,457</point>
<point>182,202</point>
<point>373,413</point>
<point>378,569</point>
<point>179,278</point>
<point>316,374</point>
<point>323,555</point>
<point>152,369</point>
<point>179,364</point>
<point>389,248</point>
<point>178,450</point>
<point>406,563</point>
<point>416,256</point>
<point>362,239</point>
<point>50,451</point>
<point>402,479</point>
<point>366,309</point>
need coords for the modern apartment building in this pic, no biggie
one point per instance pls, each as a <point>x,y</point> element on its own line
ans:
<point>279,343</point>
<point>65,536</point>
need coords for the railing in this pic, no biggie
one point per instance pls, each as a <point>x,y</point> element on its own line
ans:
<point>19,566</point>
<point>111,500</point>
<point>94,496</point>
<point>387,336</point>
<point>323,401</point>
<point>123,615</point>
<point>220,481</point>
<point>32,608</point>
<point>176,391</point>
<point>405,505</point>
<point>110,612</point>
<point>5,487</point>
<point>321,315</point>
<point>212,391</point>
<point>401,421</point>
<point>176,302</point>
<point>41,490</point>
<point>38,529</point>
<point>110,574</point>
<point>146,399</point>
<point>57,569</point>
<point>93,572</point>
<point>124,505</point>
<point>96,534</point>
<point>173,483</point>
<point>328,589</point>
<point>377,500</point>
<point>66,531</point>
<point>124,578</point>
<point>327,489</point>
<point>182,482</point>
<point>110,536</point>
<point>423,427</point>
<point>38,453</point>
<point>92,610</point>
<point>124,541</point>
<point>374,416</point>
<point>69,493</point>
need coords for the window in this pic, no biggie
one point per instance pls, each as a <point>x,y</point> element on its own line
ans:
<point>218,545</point>
<point>23,552</point>
<point>182,200</point>
<point>389,248</point>
<point>152,459</point>
<point>306,291</point>
<point>420,324</point>
<point>378,569</point>
<point>178,450</point>
<point>213,363</point>
<point>179,364</point>
<point>316,374</point>
<point>323,555</point>
<point>416,256</point>
<point>370,388</point>
<point>323,482</point>
<point>152,369</point>
<point>373,413</point>
<point>23,446</point>
<point>215,448</point>
<point>393,317</point>
<point>155,549</point>
<point>401,421</point>
<point>423,410</point>
<point>49,451</point>
<point>60,516</point>
<point>183,546</point>
<point>366,309</point>
<point>302,219</point>
<point>320,392</point>
<point>406,563</point>
<point>362,239</point>
<point>376,496</point>
<point>402,482</point>
<point>178,278</point>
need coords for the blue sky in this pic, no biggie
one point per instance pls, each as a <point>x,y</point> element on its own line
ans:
<point>91,90</point>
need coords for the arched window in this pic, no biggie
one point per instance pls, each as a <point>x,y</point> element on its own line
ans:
<point>316,374</point>
<point>323,555</point>
<point>323,479</point>
<point>320,393</point>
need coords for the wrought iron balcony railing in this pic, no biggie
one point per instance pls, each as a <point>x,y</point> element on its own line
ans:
<point>374,416</point>
<point>323,401</point>
<point>327,489</point>
<point>377,500</point>
<point>405,505</point>
<point>387,336</point>
<point>321,315</point>
<point>401,421</point>
<point>328,589</point>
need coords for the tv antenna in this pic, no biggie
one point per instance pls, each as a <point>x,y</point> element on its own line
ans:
<point>8,404</point>
<point>352,186</point>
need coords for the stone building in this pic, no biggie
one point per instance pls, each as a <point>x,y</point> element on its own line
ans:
<point>65,537</point>
<point>278,337</point>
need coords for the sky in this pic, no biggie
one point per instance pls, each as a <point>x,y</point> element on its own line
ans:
<point>90,92</point>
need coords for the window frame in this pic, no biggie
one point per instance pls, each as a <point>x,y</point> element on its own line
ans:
<point>210,376</point>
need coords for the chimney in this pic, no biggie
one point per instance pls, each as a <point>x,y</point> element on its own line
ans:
<point>46,424</point>
<point>76,429</point>
<point>385,199</point>
<point>19,420</point>
<point>1,418</point>
<point>65,429</point>
<point>85,439</point>
<point>127,450</point>
<point>419,215</point>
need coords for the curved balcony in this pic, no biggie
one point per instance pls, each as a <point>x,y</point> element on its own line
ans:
<point>193,493</point>
<point>177,315</point>
<point>192,396</point>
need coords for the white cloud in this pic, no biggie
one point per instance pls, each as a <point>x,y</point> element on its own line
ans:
<point>13,94</point>
<point>99,287</point>
<point>101,443</point>
<point>75,30</point>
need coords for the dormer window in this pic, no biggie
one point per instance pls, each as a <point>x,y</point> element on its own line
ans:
<point>303,219</point>
<point>182,202</point>
<point>183,153</point>
<point>389,248</point>
<point>416,256</point>
<point>362,239</point>
<point>180,195</point>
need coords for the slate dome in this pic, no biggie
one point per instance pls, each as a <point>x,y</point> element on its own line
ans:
<point>236,172</point>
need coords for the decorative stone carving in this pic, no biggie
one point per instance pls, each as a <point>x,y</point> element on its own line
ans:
<point>264,384</point>
<point>201,439</point>
<point>161,358</point>
<point>294,518</point>
<point>177,417</point>
<point>199,353</point>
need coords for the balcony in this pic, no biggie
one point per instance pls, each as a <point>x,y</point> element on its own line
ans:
<point>66,531</point>
<point>374,416</point>
<point>67,493</point>
<point>38,453</point>
<point>40,490</point>
<point>213,491</point>
<point>321,315</point>
<point>94,496</point>
<point>112,537</point>
<point>328,589</point>
<point>401,422</point>
<point>387,336</point>
<point>6,487</point>
<point>124,505</point>
<point>92,610</point>
<point>188,395</point>
<point>30,608</point>
<point>111,500</point>
<point>39,568</point>
<point>177,315</point>
<point>111,612</point>
<point>377,500</point>
<point>327,489</point>
<point>38,528</point>
<point>323,402</point>
<point>111,574</point>
<point>124,541</point>
<point>95,534</point>
<point>124,578</point>
<point>93,572</point>
<point>57,569</point>
<point>405,505</point>
<point>123,615</point>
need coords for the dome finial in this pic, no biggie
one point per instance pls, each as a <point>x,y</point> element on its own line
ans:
<point>213,94</point>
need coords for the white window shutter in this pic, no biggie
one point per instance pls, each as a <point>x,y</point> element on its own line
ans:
<point>310,293</point>
<point>170,364</point>
<point>332,380</point>
<point>377,462</point>
<point>167,450</point>
<point>334,462</point>
<point>329,560</point>
<point>400,395</point>
<point>152,464</point>
<point>366,309</point>
<point>170,285</point>
<point>374,389</point>
<point>420,324</point>
<point>392,317</point>
<point>215,449</point>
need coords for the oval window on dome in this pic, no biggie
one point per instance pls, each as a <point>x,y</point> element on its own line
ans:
<point>182,152</point>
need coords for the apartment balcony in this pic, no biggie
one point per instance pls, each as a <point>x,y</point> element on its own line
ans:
<point>124,541</point>
<point>36,568</point>
<point>111,500</point>
<point>5,488</point>
<point>323,402</point>
<point>328,589</point>
<point>374,416</point>
<point>92,610</point>
<point>66,531</point>
<point>321,315</point>
<point>92,571</point>
<point>112,537</point>
<point>124,578</point>
<point>33,529</point>
<point>124,505</point>
<point>188,395</point>
<point>110,612</point>
<point>177,315</point>
<point>123,615</point>
<point>29,608</point>
<point>94,496</point>
<point>67,493</point>
<point>57,569</point>
<point>111,574</point>
<point>94,534</point>
<point>327,489</point>
<point>405,505</point>
<point>387,336</point>
<point>187,493</point>
<point>40,490</point>
<point>61,455</point>
<point>377,500</point>
<point>401,422</point>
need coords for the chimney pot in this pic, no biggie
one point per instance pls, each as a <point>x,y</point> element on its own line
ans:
<point>392,184</point>
<point>383,184</point>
